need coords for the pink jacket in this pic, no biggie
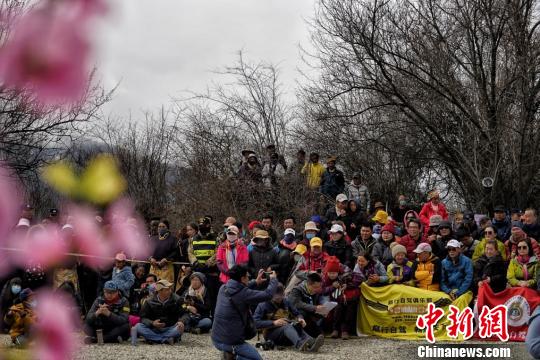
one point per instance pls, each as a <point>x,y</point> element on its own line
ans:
<point>242,258</point>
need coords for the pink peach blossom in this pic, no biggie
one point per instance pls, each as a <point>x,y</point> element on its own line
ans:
<point>46,55</point>
<point>56,328</point>
<point>41,245</point>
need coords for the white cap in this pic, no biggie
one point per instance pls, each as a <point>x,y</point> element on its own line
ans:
<point>422,247</point>
<point>341,198</point>
<point>289,231</point>
<point>336,228</point>
<point>67,226</point>
<point>453,243</point>
<point>24,222</point>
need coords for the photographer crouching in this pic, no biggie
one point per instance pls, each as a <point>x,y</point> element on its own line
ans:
<point>233,322</point>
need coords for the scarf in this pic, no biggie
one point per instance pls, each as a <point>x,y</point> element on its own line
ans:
<point>230,255</point>
<point>523,260</point>
<point>290,246</point>
<point>199,293</point>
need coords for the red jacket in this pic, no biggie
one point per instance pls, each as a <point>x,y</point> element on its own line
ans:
<point>428,211</point>
<point>410,244</point>
<point>242,258</point>
<point>313,263</point>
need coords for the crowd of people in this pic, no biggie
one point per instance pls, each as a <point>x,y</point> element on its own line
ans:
<point>237,279</point>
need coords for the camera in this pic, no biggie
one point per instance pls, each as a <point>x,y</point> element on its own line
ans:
<point>266,345</point>
<point>267,274</point>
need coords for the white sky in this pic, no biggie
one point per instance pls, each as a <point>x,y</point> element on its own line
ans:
<point>158,48</point>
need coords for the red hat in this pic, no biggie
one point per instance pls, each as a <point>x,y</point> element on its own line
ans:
<point>332,265</point>
<point>253,224</point>
<point>389,227</point>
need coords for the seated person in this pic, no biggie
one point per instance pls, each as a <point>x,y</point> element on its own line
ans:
<point>277,320</point>
<point>457,271</point>
<point>162,317</point>
<point>122,275</point>
<point>198,304</point>
<point>8,298</point>
<point>140,295</point>
<point>522,268</point>
<point>21,317</point>
<point>400,270</point>
<point>369,270</point>
<point>426,268</point>
<point>490,269</point>
<point>108,313</point>
<point>306,298</point>
<point>314,259</point>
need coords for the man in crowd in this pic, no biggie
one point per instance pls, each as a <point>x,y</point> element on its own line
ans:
<point>122,275</point>
<point>268,221</point>
<point>530,223</point>
<point>457,271</point>
<point>306,298</point>
<point>107,319</point>
<point>501,223</point>
<point>359,192</point>
<point>162,317</point>
<point>338,212</point>
<point>263,256</point>
<point>333,180</point>
<point>413,238</point>
<point>468,244</point>
<point>365,242</point>
<point>313,171</point>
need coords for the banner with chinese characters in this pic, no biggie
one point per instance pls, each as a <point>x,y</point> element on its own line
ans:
<point>520,304</point>
<point>392,311</point>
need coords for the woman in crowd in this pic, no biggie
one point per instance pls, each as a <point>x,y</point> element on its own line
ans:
<point>490,268</point>
<point>356,217</point>
<point>165,252</point>
<point>489,234</point>
<point>400,270</point>
<point>8,298</point>
<point>522,269</point>
<point>197,303</point>
<point>381,250</point>
<point>369,270</point>
<point>231,252</point>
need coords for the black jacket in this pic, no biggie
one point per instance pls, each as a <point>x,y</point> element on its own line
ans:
<point>494,268</point>
<point>304,302</point>
<point>286,263</point>
<point>262,258</point>
<point>119,312</point>
<point>340,249</point>
<point>169,312</point>
<point>203,306</point>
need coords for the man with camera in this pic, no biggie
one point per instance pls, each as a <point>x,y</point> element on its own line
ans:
<point>283,325</point>
<point>233,322</point>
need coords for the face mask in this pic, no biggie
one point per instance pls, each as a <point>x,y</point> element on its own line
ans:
<point>163,232</point>
<point>151,288</point>
<point>310,236</point>
<point>232,238</point>
<point>15,289</point>
<point>403,202</point>
<point>289,238</point>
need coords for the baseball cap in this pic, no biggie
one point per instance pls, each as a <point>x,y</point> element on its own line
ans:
<point>233,229</point>
<point>422,247</point>
<point>341,198</point>
<point>316,241</point>
<point>453,243</point>
<point>499,208</point>
<point>120,257</point>
<point>289,231</point>
<point>336,228</point>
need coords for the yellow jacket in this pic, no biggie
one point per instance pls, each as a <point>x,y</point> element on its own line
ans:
<point>479,250</point>
<point>314,173</point>
<point>20,318</point>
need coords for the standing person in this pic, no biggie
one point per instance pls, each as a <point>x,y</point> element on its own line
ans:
<point>165,251</point>
<point>457,271</point>
<point>162,317</point>
<point>434,206</point>
<point>313,171</point>
<point>272,153</point>
<point>233,322</point>
<point>398,213</point>
<point>365,242</point>
<point>263,256</point>
<point>251,171</point>
<point>122,275</point>
<point>359,192</point>
<point>109,313</point>
<point>272,172</point>
<point>268,221</point>
<point>333,180</point>
<point>230,253</point>
<point>490,269</point>
<point>296,167</point>
<point>338,212</point>
<point>501,223</point>
<point>285,250</point>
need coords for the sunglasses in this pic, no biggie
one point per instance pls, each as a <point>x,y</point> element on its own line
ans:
<point>523,247</point>
<point>489,232</point>
<point>444,228</point>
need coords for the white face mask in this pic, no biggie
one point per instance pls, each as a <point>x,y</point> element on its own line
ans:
<point>232,238</point>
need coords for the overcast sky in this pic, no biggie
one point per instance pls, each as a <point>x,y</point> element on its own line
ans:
<point>158,48</point>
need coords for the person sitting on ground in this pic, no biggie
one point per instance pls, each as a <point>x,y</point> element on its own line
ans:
<point>283,324</point>
<point>8,298</point>
<point>370,271</point>
<point>21,317</point>
<point>162,317</point>
<point>231,252</point>
<point>306,298</point>
<point>381,250</point>
<point>232,317</point>
<point>426,268</point>
<point>523,268</point>
<point>197,303</point>
<point>338,212</point>
<point>490,234</point>
<point>457,271</point>
<point>122,275</point>
<point>109,313</point>
<point>400,270</point>
<point>490,269</point>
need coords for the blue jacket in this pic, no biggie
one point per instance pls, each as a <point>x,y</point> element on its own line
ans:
<point>503,228</point>
<point>229,323</point>
<point>124,279</point>
<point>332,183</point>
<point>457,276</point>
<point>264,314</point>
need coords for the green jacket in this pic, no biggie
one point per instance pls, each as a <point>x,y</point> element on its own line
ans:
<point>515,272</point>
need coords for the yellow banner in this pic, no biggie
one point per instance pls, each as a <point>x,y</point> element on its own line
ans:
<point>391,311</point>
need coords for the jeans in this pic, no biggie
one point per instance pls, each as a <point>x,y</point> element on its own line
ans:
<point>153,334</point>
<point>533,335</point>
<point>205,324</point>
<point>287,335</point>
<point>111,332</point>
<point>243,351</point>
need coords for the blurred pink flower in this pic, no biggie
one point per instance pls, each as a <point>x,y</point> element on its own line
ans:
<point>41,245</point>
<point>47,55</point>
<point>89,239</point>
<point>56,328</point>
<point>10,201</point>
<point>127,232</point>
